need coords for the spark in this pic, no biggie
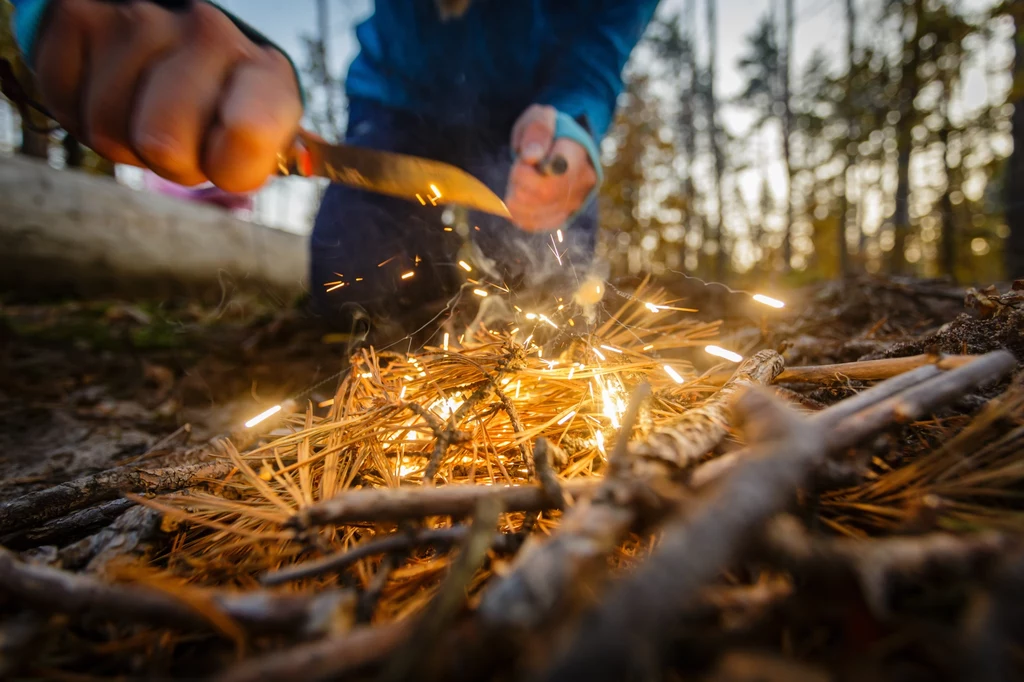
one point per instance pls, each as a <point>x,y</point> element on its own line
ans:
<point>526,344</point>
<point>567,417</point>
<point>449,229</point>
<point>446,335</point>
<point>336,286</point>
<point>519,383</point>
<point>326,403</point>
<point>514,331</point>
<point>723,353</point>
<point>409,275</point>
<point>437,192</point>
<point>649,346</point>
<point>599,354</point>
<point>359,279</point>
<point>380,265</point>
<point>769,301</point>
<point>599,437</point>
<point>653,308</point>
<point>262,416</point>
<point>366,375</point>
<point>554,250</point>
<point>531,316</point>
<point>560,239</point>
<point>480,292</point>
<point>544,318</point>
<point>421,200</point>
<point>613,349</point>
<point>540,352</point>
<point>674,374</point>
<point>401,396</point>
<point>571,323</point>
<point>517,309</point>
<point>465,266</point>
<point>561,307</point>
<point>572,371</point>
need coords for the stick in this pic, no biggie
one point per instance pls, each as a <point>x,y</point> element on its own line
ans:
<point>697,544</point>
<point>37,508</point>
<point>540,580</point>
<point>70,528</point>
<point>699,430</point>
<point>397,504</point>
<point>335,656</point>
<point>867,370</point>
<point>56,591</point>
<point>445,605</point>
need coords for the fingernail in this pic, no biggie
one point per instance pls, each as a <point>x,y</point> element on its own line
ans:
<point>533,151</point>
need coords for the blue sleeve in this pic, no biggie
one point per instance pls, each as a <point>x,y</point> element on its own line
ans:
<point>585,79</point>
<point>27,16</point>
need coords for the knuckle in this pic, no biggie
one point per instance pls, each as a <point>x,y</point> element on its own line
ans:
<point>163,150</point>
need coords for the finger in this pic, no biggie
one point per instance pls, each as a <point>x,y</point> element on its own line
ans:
<point>60,58</point>
<point>258,117</point>
<point>146,32</point>
<point>179,97</point>
<point>537,135</point>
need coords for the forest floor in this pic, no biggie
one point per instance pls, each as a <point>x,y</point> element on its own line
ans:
<point>881,538</point>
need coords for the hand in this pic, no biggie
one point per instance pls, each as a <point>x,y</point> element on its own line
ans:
<point>185,94</point>
<point>545,202</point>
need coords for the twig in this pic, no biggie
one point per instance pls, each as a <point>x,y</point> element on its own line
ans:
<point>697,544</point>
<point>330,657</point>
<point>37,508</point>
<point>56,591</point>
<point>450,596</point>
<point>69,528</point>
<point>866,370</point>
<point>397,504</point>
<point>542,456</point>
<point>699,430</point>
<point>542,579</point>
<point>875,564</point>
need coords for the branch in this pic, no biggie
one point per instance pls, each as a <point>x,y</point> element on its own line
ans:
<point>867,370</point>
<point>37,508</point>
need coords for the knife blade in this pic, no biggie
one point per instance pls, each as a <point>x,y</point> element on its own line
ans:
<point>399,175</point>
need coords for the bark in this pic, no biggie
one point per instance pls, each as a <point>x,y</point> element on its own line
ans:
<point>909,85</point>
<point>1014,189</point>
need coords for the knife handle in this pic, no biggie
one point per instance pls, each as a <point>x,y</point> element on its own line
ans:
<point>296,160</point>
<point>553,165</point>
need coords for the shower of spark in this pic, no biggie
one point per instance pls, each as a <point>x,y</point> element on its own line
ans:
<point>723,353</point>
<point>262,417</point>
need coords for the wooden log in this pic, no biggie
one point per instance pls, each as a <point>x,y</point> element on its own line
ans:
<point>66,232</point>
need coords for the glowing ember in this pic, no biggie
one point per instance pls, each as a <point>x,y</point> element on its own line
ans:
<point>465,266</point>
<point>723,353</point>
<point>567,417</point>
<point>674,374</point>
<point>409,275</point>
<point>446,340</point>
<point>437,192</point>
<point>560,239</point>
<point>531,316</point>
<point>769,301</point>
<point>480,292</point>
<point>263,416</point>
<point>648,347</point>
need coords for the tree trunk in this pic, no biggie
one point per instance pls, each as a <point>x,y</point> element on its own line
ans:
<point>851,124</point>
<point>947,257</point>
<point>687,128</point>
<point>787,134</point>
<point>909,85</point>
<point>1014,188</point>
<point>716,147</point>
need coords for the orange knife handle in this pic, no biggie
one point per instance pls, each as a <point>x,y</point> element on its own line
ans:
<point>296,160</point>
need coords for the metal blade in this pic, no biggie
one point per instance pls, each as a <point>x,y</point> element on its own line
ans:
<point>400,175</point>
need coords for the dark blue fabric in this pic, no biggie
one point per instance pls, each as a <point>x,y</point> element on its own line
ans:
<point>356,231</point>
<point>502,55</point>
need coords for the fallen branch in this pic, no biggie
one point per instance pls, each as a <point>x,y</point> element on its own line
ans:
<point>69,528</point>
<point>866,370</point>
<point>397,504</point>
<point>698,543</point>
<point>541,579</point>
<point>39,507</point>
<point>56,591</point>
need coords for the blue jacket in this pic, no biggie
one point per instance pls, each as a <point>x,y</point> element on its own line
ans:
<point>501,56</point>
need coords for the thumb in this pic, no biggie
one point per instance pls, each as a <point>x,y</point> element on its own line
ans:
<point>536,138</point>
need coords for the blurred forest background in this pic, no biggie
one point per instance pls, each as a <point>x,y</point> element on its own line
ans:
<point>866,158</point>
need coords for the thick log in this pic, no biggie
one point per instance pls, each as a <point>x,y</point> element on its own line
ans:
<point>66,232</point>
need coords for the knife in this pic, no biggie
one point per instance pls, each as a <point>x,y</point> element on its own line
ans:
<point>400,175</point>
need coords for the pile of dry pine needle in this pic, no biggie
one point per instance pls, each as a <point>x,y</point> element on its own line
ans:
<point>589,507</point>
